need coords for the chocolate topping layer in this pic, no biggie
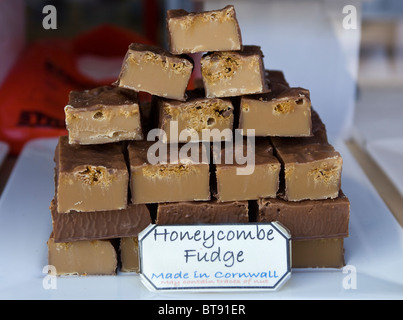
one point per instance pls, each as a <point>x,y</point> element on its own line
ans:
<point>105,95</point>
<point>279,88</point>
<point>71,156</point>
<point>308,219</point>
<point>202,212</point>
<point>109,224</point>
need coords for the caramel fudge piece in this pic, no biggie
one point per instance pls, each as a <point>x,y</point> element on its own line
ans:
<point>188,119</point>
<point>129,254</point>
<point>319,134</point>
<point>102,115</point>
<point>283,111</point>
<point>86,257</point>
<point>233,73</point>
<point>308,219</point>
<point>310,171</point>
<point>90,177</point>
<point>261,182</point>
<point>98,225</point>
<point>202,212</point>
<point>318,253</point>
<point>156,71</point>
<point>169,179</point>
<point>216,30</point>
<point>285,114</point>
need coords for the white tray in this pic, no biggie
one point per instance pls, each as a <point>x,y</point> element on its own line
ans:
<point>374,248</point>
<point>388,154</point>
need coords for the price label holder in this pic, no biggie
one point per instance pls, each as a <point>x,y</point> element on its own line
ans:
<point>212,257</point>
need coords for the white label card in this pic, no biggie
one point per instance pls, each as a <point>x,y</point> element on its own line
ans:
<point>215,257</point>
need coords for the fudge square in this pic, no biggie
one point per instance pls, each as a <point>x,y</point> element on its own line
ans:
<point>261,182</point>
<point>233,73</point>
<point>83,257</point>
<point>156,71</point>
<point>193,116</point>
<point>318,253</point>
<point>129,254</point>
<point>167,179</point>
<point>311,171</point>
<point>102,115</point>
<point>308,219</point>
<point>284,111</point>
<point>90,177</point>
<point>216,30</point>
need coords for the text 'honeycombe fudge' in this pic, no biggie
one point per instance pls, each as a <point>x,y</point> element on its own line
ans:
<point>156,71</point>
<point>216,30</point>
<point>284,111</point>
<point>185,121</point>
<point>90,177</point>
<point>96,225</point>
<point>233,73</point>
<point>308,219</point>
<point>102,115</point>
<point>86,257</point>
<point>261,180</point>
<point>196,212</point>
<point>170,176</point>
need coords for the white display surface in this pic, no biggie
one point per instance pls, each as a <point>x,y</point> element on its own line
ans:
<point>388,154</point>
<point>374,249</point>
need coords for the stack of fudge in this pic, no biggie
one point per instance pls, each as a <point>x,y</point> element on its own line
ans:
<point>112,180</point>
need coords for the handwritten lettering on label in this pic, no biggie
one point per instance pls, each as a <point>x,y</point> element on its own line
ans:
<point>216,257</point>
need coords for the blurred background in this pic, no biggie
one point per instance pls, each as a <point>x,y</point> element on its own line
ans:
<point>348,53</point>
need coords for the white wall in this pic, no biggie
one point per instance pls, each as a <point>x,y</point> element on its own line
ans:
<point>306,39</point>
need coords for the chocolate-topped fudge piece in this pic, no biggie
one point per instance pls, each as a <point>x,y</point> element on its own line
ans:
<point>90,177</point>
<point>85,257</point>
<point>234,181</point>
<point>91,225</point>
<point>202,212</point>
<point>308,219</point>
<point>216,30</point>
<point>101,115</point>
<point>319,134</point>
<point>156,71</point>
<point>233,73</point>
<point>157,176</point>
<point>318,253</point>
<point>310,170</point>
<point>284,111</point>
<point>188,119</point>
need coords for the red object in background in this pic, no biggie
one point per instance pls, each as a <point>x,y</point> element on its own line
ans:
<point>34,94</point>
